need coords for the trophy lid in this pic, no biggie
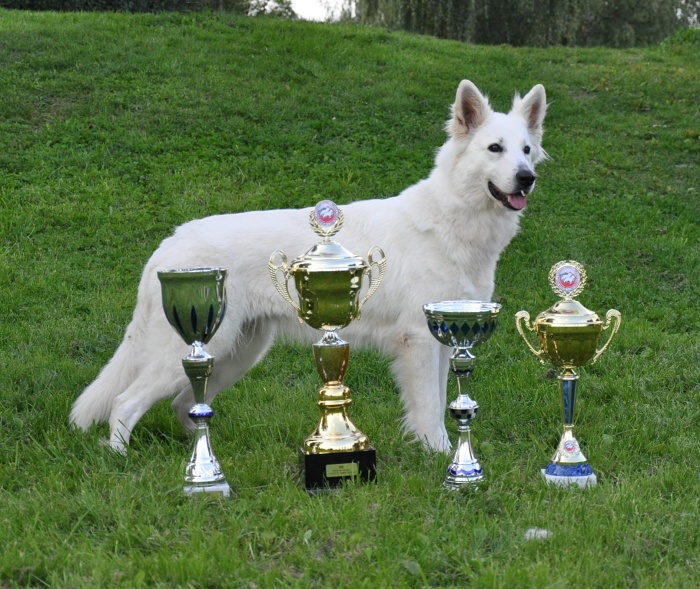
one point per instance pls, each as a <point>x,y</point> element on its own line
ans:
<point>567,280</point>
<point>326,219</point>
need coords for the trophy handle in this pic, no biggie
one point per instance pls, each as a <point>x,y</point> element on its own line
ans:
<point>609,316</point>
<point>282,286</point>
<point>375,279</point>
<point>524,317</point>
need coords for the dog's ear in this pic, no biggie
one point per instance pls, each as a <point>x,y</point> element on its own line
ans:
<point>471,108</point>
<point>532,107</point>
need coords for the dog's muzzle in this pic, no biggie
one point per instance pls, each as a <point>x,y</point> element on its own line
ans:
<point>515,201</point>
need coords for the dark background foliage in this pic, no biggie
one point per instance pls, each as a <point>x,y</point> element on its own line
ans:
<point>239,6</point>
<point>538,23</point>
<point>534,23</point>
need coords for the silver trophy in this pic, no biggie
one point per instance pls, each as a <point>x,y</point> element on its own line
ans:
<point>462,325</point>
<point>194,301</point>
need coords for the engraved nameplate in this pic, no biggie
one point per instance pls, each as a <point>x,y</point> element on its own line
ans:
<point>345,469</point>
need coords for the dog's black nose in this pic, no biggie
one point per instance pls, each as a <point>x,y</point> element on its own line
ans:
<point>525,178</point>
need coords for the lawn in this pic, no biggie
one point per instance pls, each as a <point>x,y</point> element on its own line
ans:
<point>117,128</point>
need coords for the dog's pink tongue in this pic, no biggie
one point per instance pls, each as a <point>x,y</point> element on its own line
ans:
<point>517,201</point>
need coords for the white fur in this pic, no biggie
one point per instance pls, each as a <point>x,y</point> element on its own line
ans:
<point>442,238</point>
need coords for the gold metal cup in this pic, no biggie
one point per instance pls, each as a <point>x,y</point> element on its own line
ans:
<point>567,337</point>
<point>328,280</point>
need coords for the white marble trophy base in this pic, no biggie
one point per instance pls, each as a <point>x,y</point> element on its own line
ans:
<point>218,489</point>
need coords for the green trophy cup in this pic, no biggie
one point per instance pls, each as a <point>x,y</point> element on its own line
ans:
<point>567,337</point>
<point>194,301</point>
<point>328,279</point>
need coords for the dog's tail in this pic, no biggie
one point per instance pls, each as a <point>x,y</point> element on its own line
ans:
<point>95,403</point>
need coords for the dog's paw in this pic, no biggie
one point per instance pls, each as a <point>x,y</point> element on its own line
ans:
<point>118,447</point>
<point>438,443</point>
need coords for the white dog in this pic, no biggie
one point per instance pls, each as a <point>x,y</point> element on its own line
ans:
<point>442,238</point>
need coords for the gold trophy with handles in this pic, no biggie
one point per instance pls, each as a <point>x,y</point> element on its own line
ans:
<point>567,337</point>
<point>328,279</point>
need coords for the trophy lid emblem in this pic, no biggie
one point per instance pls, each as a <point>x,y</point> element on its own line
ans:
<point>326,219</point>
<point>567,279</point>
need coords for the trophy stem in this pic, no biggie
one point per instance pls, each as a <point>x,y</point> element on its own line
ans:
<point>335,431</point>
<point>465,468</point>
<point>568,380</point>
<point>569,466</point>
<point>203,473</point>
<point>336,450</point>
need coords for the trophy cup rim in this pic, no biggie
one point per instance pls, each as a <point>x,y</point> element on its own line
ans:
<point>462,324</point>
<point>462,306</point>
<point>200,271</point>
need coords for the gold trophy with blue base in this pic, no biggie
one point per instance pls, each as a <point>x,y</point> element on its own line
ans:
<point>568,336</point>
<point>328,280</point>
<point>194,301</point>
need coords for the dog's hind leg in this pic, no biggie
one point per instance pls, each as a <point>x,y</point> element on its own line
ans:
<point>139,397</point>
<point>250,347</point>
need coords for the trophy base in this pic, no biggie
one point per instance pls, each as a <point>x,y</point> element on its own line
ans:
<point>580,475</point>
<point>222,490</point>
<point>323,472</point>
<point>460,476</point>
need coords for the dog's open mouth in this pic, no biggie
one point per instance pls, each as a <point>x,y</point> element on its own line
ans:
<point>515,202</point>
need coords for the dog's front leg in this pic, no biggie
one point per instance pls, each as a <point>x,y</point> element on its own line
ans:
<point>420,368</point>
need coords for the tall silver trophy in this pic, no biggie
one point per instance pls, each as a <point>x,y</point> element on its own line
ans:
<point>462,325</point>
<point>194,301</point>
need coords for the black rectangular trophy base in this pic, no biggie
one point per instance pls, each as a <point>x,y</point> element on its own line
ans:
<point>329,471</point>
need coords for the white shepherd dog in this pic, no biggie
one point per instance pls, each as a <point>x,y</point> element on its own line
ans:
<point>442,238</point>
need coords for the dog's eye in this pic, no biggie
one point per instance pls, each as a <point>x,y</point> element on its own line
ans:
<point>495,148</point>
<point>526,149</point>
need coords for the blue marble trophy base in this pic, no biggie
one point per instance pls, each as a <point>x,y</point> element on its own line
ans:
<point>463,475</point>
<point>568,475</point>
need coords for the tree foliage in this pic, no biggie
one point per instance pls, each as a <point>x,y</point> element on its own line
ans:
<point>280,8</point>
<point>616,23</point>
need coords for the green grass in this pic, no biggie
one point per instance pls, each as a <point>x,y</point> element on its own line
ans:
<point>116,128</point>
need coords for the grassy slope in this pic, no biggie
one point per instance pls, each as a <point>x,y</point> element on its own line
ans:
<point>116,128</point>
